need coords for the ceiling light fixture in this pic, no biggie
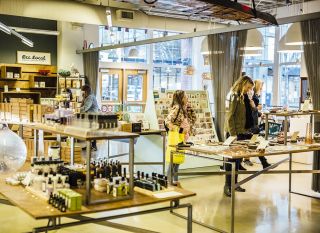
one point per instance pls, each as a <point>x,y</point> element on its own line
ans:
<point>24,40</point>
<point>36,31</point>
<point>133,53</point>
<point>293,35</point>
<point>254,40</point>
<point>284,48</point>
<point>109,17</point>
<point>5,28</point>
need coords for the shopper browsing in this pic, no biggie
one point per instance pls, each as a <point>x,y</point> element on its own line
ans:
<point>179,124</point>
<point>236,121</point>
<point>89,104</point>
<point>256,113</point>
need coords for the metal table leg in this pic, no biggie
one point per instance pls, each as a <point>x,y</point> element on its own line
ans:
<point>233,184</point>
<point>164,153</point>
<point>285,130</point>
<point>267,126</point>
<point>131,162</point>
<point>71,150</point>
<point>88,177</point>
<point>189,223</point>
<point>35,143</point>
<point>290,171</point>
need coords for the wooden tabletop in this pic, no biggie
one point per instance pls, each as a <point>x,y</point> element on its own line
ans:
<point>283,113</point>
<point>84,134</point>
<point>40,209</point>
<point>236,152</point>
<point>152,132</point>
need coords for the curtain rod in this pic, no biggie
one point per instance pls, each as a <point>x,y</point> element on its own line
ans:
<point>286,20</point>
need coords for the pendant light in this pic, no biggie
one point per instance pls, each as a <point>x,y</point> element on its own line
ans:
<point>284,48</point>
<point>133,53</point>
<point>254,40</point>
<point>293,35</point>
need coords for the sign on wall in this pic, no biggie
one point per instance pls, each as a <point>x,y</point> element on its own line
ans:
<point>34,58</point>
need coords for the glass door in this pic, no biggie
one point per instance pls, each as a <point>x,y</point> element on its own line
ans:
<point>111,86</point>
<point>135,91</point>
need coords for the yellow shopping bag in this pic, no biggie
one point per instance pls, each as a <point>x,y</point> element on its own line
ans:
<point>174,137</point>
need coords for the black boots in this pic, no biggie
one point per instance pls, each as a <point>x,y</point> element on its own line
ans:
<point>227,190</point>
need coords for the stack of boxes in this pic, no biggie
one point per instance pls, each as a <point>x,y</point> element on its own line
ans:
<point>66,152</point>
<point>5,111</point>
<point>20,109</point>
<point>73,199</point>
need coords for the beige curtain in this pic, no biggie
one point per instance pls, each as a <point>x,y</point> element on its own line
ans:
<point>310,30</point>
<point>91,66</point>
<point>226,59</point>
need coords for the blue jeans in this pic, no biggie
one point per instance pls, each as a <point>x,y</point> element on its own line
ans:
<point>175,170</point>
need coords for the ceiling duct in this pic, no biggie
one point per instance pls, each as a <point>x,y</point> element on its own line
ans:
<point>205,9</point>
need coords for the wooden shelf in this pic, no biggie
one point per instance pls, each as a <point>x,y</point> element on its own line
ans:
<point>13,79</point>
<point>42,88</point>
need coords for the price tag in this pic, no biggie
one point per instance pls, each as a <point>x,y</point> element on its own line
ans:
<point>229,140</point>
<point>254,138</point>
<point>263,144</point>
<point>294,136</point>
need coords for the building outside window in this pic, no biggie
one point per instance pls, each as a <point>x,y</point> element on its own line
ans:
<point>170,60</point>
<point>116,35</point>
<point>261,67</point>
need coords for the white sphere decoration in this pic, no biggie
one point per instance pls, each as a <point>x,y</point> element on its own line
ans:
<point>13,151</point>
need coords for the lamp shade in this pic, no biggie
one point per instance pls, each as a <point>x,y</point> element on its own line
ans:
<point>252,53</point>
<point>133,53</point>
<point>293,35</point>
<point>13,152</point>
<point>254,40</point>
<point>204,46</point>
<point>284,48</point>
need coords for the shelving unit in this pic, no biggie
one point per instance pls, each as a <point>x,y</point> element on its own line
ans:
<point>28,75</point>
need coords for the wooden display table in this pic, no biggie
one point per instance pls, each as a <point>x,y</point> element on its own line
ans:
<point>230,154</point>
<point>26,201</point>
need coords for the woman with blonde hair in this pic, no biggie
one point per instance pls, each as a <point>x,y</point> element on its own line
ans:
<point>256,113</point>
<point>235,124</point>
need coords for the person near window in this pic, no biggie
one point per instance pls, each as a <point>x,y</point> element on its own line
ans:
<point>89,104</point>
<point>178,123</point>
<point>235,124</point>
<point>256,113</point>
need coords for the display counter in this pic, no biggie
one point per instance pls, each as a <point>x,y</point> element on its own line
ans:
<point>228,154</point>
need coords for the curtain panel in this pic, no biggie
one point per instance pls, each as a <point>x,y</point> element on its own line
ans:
<point>310,30</point>
<point>226,57</point>
<point>90,67</point>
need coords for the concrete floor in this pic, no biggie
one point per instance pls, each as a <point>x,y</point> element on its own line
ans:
<point>265,207</point>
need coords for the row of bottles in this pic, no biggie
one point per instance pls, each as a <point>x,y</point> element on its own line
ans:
<point>58,202</point>
<point>50,182</point>
<point>104,169</point>
<point>156,182</point>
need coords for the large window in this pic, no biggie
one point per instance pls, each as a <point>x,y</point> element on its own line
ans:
<point>261,67</point>
<point>117,35</point>
<point>166,78</point>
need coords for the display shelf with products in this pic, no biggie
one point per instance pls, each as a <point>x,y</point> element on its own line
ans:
<point>203,128</point>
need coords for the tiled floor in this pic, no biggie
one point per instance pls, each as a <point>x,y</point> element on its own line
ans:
<point>265,207</point>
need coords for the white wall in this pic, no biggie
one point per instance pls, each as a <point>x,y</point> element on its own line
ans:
<point>70,39</point>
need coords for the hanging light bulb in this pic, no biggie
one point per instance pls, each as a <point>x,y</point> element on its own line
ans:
<point>133,53</point>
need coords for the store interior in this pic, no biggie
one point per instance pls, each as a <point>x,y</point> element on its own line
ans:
<point>64,168</point>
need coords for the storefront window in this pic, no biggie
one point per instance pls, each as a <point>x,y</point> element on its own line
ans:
<point>176,52</point>
<point>134,87</point>
<point>110,87</point>
<point>117,35</point>
<point>261,67</point>
<point>166,78</point>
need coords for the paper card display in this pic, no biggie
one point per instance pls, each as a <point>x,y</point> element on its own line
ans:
<point>294,136</point>
<point>254,138</point>
<point>263,144</point>
<point>229,140</point>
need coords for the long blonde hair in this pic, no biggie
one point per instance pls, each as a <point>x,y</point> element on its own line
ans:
<point>239,85</point>
<point>258,83</point>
